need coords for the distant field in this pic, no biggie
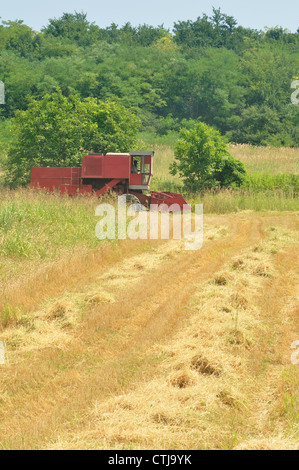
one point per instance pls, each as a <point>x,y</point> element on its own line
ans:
<point>269,160</point>
<point>272,182</point>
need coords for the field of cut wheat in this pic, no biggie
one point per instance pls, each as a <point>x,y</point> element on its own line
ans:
<point>140,344</point>
<point>149,228</point>
<point>98,357</point>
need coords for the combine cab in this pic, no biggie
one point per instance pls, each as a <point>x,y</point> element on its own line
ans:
<point>125,173</point>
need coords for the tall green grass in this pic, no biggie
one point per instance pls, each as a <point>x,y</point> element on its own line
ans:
<point>287,183</point>
<point>255,197</point>
<point>34,225</point>
<point>225,201</point>
<point>283,183</point>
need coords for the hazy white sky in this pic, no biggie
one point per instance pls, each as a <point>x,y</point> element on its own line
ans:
<point>250,13</point>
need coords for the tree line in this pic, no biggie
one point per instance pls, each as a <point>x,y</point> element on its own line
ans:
<point>210,70</point>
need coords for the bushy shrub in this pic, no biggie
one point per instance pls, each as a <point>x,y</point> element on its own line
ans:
<point>203,161</point>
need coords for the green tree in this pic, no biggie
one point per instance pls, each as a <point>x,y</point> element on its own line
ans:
<point>209,70</point>
<point>261,125</point>
<point>73,26</point>
<point>57,130</point>
<point>116,127</point>
<point>16,36</point>
<point>203,161</point>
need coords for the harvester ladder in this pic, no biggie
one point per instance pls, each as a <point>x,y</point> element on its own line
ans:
<point>75,176</point>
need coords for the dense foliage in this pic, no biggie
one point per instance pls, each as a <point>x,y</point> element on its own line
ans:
<point>233,78</point>
<point>203,161</point>
<point>56,130</point>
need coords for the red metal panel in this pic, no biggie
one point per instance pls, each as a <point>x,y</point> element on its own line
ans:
<point>107,166</point>
<point>53,172</point>
<point>135,179</point>
<point>116,166</point>
<point>159,198</point>
<point>92,166</point>
<point>168,198</point>
<point>53,178</point>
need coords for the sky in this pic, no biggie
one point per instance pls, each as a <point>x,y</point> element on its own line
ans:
<point>250,13</point>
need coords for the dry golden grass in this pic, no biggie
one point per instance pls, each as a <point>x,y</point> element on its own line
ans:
<point>205,396</point>
<point>270,160</point>
<point>161,348</point>
<point>271,182</point>
<point>267,159</point>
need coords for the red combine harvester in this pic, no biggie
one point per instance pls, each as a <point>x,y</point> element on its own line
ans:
<point>125,173</point>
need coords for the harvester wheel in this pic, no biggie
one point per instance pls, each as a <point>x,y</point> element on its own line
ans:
<point>131,199</point>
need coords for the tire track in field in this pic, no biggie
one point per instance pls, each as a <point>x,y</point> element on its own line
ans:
<point>107,411</point>
<point>157,306</point>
